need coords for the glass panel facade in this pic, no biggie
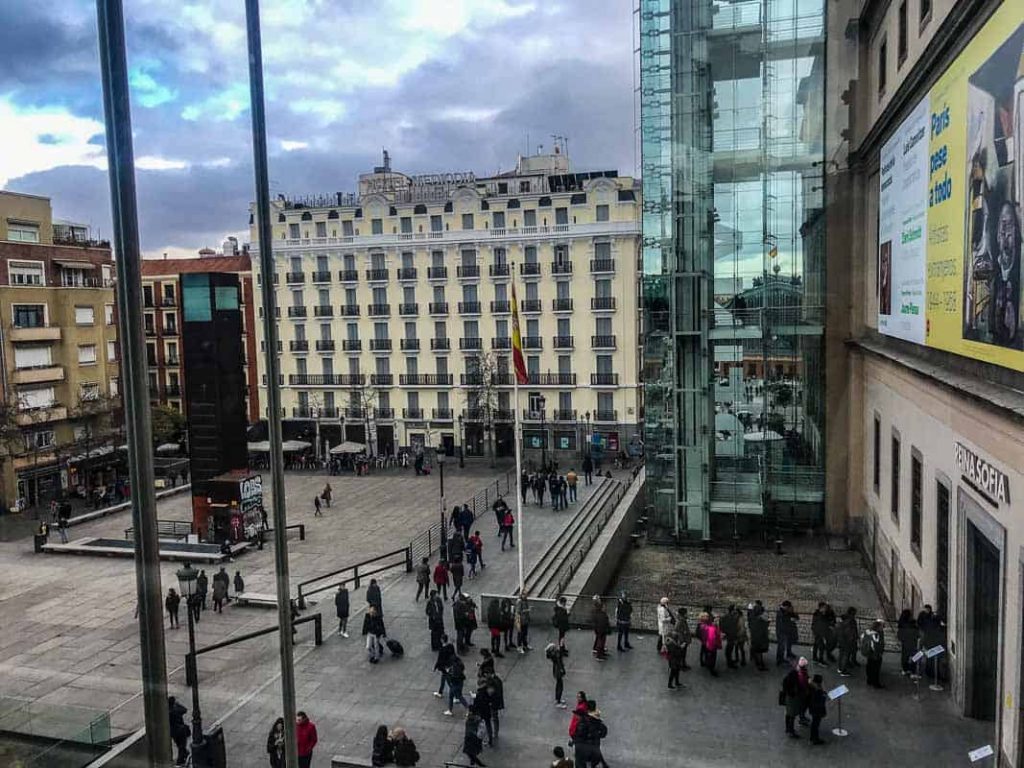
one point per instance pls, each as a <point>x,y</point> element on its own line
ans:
<point>731,136</point>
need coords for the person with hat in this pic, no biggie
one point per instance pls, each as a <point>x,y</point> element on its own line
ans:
<point>793,696</point>
<point>872,645</point>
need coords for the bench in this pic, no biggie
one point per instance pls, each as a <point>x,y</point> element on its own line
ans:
<point>166,529</point>
<point>261,599</point>
<point>344,761</point>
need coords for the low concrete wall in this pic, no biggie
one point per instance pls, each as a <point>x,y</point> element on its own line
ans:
<point>96,514</point>
<point>602,561</point>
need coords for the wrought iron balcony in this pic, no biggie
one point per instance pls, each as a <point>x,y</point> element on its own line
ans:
<point>561,305</point>
<point>407,273</point>
<point>604,379</point>
<point>295,277</point>
<point>327,379</point>
<point>425,379</point>
<point>412,413</point>
<point>471,379</point>
<point>539,415</point>
<point>562,342</point>
<point>377,275</point>
<point>349,310</point>
<point>441,343</point>
<point>437,273</point>
<point>353,412</point>
<point>602,342</point>
<point>531,305</point>
<point>602,265</point>
<point>606,416</point>
<point>380,345</point>
<point>348,275</point>
<point>561,268</point>
<point>325,345</point>
<point>533,342</point>
<point>529,269</point>
<point>505,343</point>
<point>382,379</point>
<point>503,414</point>
<point>296,311</point>
<point>321,277</point>
<point>498,270</point>
<point>378,310</point>
<point>602,302</point>
<point>323,310</point>
<point>471,343</point>
<point>562,415</point>
<point>410,344</point>
<point>501,307</point>
<point>470,307</point>
<point>409,309</point>
<point>468,270</point>
<point>298,345</point>
<point>439,307</point>
<point>442,414</point>
<point>384,413</point>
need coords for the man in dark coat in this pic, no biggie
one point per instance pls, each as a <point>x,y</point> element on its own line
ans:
<point>817,701</point>
<point>179,731</point>
<point>202,587</point>
<point>757,626</point>
<point>785,632</point>
<point>560,621</point>
<point>341,608</point>
<point>588,469</point>
<point>602,628</point>
<point>730,626</point>
<point>623,619</point>
<point>458,571</point>
<point>435,619</point>
<point>422,578</point>
<point>444,659</point>
<point>821,624</point>
<point>846,637</point>
<point>373,597</point>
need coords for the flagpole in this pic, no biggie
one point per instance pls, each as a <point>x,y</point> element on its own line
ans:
<point>517,341</point>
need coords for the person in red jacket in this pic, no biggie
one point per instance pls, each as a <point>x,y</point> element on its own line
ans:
<point>712,641</point>
<point>441,578</point>
<point>305,735</point>
<point>578,710</point>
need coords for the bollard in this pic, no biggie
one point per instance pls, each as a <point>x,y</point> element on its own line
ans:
<point>190,669</point>
<point>302,599</point>
<point>302,531</point>
<point>408,559</point>
<point>355,576</point>
<point>318,631</point>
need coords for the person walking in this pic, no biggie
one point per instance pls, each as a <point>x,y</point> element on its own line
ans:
<point>171,603</point>
<point>63,523</point>
<point>571,480</point>
<point>487,703</point>
<point>508,526</point>
<point>794,695</point>
<point>588,469</point>
<point>602,628</point>
<point>525,485</point>
<point>675,660</point>
<point>202,585</point>
<point>508,623</point>
<point>538,488</point>
<point>560,621</point>
<point>406,755</point>
<point>193,604</point>
<point>456,678</point>
<point>909,637</point>
<point>239,584</point>
<point>563,492</point>
<point>817,707</point>
<point>472,744</point>
<point>623,620</point>
<point>711,640</point>
<point>341,608</point>
<point>373,631</point>
<point>730,625</point>
<point>326,494</point>
<point>220,593</point>
<point>589,733</point>
<point>441,577</point>
<point>846,637</point>
<point>179,731</point>
<point>275,744</point>
<point>458,571</point>
<point>494,626</point>
<point>470,559</point>
<point>445,655</point>
<point>470,623</point>
<point>466,520</point>
<point>557,659</point>
<point>305,735</point>
<point>383,751</point>
<point>317,512</point>
<point>522,622</point>
<point>373,597</point>
<point>478,546</point>
<point>435,620</point>
<point>819,633</point>
<point>872,645</point>
<point>757,625</point>
<point>422,578</point>
<point>666,620</point>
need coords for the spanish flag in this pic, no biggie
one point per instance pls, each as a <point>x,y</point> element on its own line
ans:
<point>517,341</point>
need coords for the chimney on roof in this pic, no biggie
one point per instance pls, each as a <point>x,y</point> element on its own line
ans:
<point>207,252</point>
<point>230,247</point>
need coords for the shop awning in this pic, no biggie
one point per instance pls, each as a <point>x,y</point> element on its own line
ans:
<point>347,447</point>
<point>168,448</point>
<point>77,264</point>
<point>288,446</point>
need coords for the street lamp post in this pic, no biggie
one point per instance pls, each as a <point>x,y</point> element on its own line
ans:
<point>443,550</point>
<point>586,429</point>
<point>462,445</point>
<point>187,585</point>
<point>542,401</point>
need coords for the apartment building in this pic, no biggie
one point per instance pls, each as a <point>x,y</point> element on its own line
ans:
<point>161,298</point>
<point>59,369</point>
<point>395,309</point>
<point>926,356</point>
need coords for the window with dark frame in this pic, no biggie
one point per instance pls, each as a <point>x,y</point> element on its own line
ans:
<point>925,13</point>
<point>916,503</point>
<point>877,458</point>
<point>901,42</point>
<point>894,496</point>
<point>883,63</point>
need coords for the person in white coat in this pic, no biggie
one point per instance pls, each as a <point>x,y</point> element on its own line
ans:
<point>666,623</point>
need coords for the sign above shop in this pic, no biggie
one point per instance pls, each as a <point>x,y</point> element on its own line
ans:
<point>985,478</point>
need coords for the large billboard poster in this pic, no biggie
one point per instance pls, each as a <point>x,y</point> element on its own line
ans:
<point>973,188</point>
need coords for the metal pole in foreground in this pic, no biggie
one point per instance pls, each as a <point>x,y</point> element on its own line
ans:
<point>121,170</point>
<point>276,456</point>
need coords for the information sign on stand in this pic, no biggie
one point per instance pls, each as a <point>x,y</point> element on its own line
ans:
<point>934,653</point>
<point>980,753</point>
<point>915,676</point>
<point>837,694</point>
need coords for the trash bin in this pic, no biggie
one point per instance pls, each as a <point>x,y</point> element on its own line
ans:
<point>37,542</point>
<point>212,753</point>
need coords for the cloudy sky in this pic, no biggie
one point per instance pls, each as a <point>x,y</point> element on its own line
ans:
<point>442,84</point>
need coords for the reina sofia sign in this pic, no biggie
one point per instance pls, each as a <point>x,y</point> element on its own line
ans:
<point>982,475</point>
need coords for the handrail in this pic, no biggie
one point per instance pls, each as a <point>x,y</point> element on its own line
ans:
<point>406,560</point>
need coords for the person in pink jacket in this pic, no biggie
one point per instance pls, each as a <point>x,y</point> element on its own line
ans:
<point>712,641</point>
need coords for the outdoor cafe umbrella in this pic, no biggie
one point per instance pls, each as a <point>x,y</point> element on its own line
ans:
<point>347,447</point>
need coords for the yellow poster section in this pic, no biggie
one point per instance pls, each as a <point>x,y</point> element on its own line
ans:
<point>947,212</point>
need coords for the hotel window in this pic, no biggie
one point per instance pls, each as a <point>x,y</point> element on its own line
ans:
<point>443,403</point>
<point>325,332</point>
<point>601,212</point>
<point>111,351</point>
<point>349,262</point>
<point>321,229</point>
<point>382,366</point>
<point>84,316</point>
<point>327,366</point>
<point>350,297</point>
<point>380,330</point>
<point>296,265</point>
<point>408,295</point>
<point>530,218</point>
<point>439,294</point>
<point>561,216</point>
<point>435,224</point>
<point>380,296</point>
<point>353,331</point>
<point>894,499</point>
<point>377,261</point>
<point>530,254</point>
<point>300,366</point>
<point>353,366</point>
<point>322,264</point>
<point>32,357</point>
<point>605,402</point>
<point>500,256</point>
<point>412,366</point>
<point>603,288</point>
<point>877,457</point>
<point>883,63</point>
<point>437,259</point>
<point>376,227</point>
<point>413,400</point>
<point>324,297</point>
<point>565,364</point>
<point>410,331</point>
<point>406,225</point>
<point>442,366</point>
<point>532,292</point>
<point>346,228</point>
<point>25,273</point>
<point>467,221</point>
<point>469,294</point>
<point>29,315</point>
<point>22,233</point>
<point>471,329</point>
<point>501,329</point>
<point>498,220</point>
<point>108,314</point>
<point>440,330</point>
<point>901,41</point>
<point>533,328</point>
<point>562,289</point>
<point>602,251</point>
<point>407,260</point>
<point>293,231</point>
<point>501,291</point>
<point>916,502</point>
<point>86,354</point>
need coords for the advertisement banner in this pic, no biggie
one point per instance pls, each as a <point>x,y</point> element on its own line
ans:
<point>950,205</point>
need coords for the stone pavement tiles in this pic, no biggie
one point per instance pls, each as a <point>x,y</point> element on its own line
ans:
<point>730,721</point>
<point>68,633</point>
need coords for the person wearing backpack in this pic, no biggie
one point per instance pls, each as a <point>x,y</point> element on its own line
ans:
<point>405,749</point>
<point>456,677</point>
<point>846,637</point>
<point>872,645</point>
<point>472,744</point>
<point>560,621</point>
<point>444,660</point>
<point>623,620</point>
<point>589,732</point>
<point>494,626</point>
<point>666,621</point>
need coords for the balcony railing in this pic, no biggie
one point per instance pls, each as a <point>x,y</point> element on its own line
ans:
<point>498,270</point>
<point>440,343</point>
<point>298,345</point>
<point>172,390</point>
<point>295,277</point>
<point>348,275</point>
<point>170,330</point>
<point>384,413</point>
<point>561,305</point>
<point>168,301</point>
<point>407,273</point>
<point>471,343</point>
<point>602,342</point>
<point>323,310</point>
<point>349,310</point>
<point>327,379</point>
<point>412,413</point>
<point>606,416</point>
<point>378,310</point>
<point>531,305</point>
<point>437,273</point>
<point>602,302</point>
<point>409,309</point>
<point>471,379</point>
<point>474,414</point>
<point>561,268</point>
<point>376,275</point>
<point>329,412</point>
<point>410,344</point>
<point>353,412</point>
<point>277,312</point>
<point>439,307</point>
<point>325,345</point>
<point>529,269</point>
<point>562,342</point>
<point>352,345</point>
<point>296,311</point>
<point>562,415</point>
<point>602,265</point>
<point>538,379</point>
<point>442,414</point>
<point>468,270</point>
<point>150,330</point>
<point>425,379</point>
<point>501,307</point>
<point>503,414</point>
<point>533,342</point>
<point>470,307</point>
<point>505,343</point>
<point>529,415</point>
<point>174,360</point>
<point>380,345</point>
<point>382,379</point>
<point>321,277</point>
<point>604,379</point>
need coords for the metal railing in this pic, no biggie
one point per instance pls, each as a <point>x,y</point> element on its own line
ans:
<point>355,573</point>
<point>563,576</point>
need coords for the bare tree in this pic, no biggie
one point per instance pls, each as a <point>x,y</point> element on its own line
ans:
<point>96,423</point>
<point>12,440</point>
<point>482,395</point>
